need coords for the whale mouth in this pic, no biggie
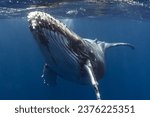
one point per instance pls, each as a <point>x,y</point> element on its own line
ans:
<point>47,28</point>
<point>41,20</point>
<point>56,40</point>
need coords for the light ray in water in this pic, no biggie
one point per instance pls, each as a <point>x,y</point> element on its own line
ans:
<point>68,22</point>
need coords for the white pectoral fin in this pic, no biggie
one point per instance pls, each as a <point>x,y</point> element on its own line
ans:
<point>49,76</point>
<point>89,69</point>
<point>109,45</point>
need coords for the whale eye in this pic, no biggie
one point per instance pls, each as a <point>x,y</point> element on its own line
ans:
<point>97,41</point>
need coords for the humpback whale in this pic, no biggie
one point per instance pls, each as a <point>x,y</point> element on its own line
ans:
<point>68,55</point>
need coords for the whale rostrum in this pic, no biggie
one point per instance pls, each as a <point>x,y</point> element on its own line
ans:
<point>67,55</point>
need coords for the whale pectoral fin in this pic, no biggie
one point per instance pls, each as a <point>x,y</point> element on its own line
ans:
<point>89,69</point>
<point>49,76</point>
<point>109,45</point>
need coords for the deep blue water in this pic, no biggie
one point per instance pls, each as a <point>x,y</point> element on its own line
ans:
<point>127,71</point>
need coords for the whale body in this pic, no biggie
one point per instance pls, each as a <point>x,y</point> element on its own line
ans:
<point>68,55</point>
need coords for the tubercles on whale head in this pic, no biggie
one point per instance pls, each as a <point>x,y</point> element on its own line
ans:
<point>32,16</point>
<point>35,18</point>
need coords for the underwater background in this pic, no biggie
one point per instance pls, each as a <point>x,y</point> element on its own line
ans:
<point>127,74</point>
